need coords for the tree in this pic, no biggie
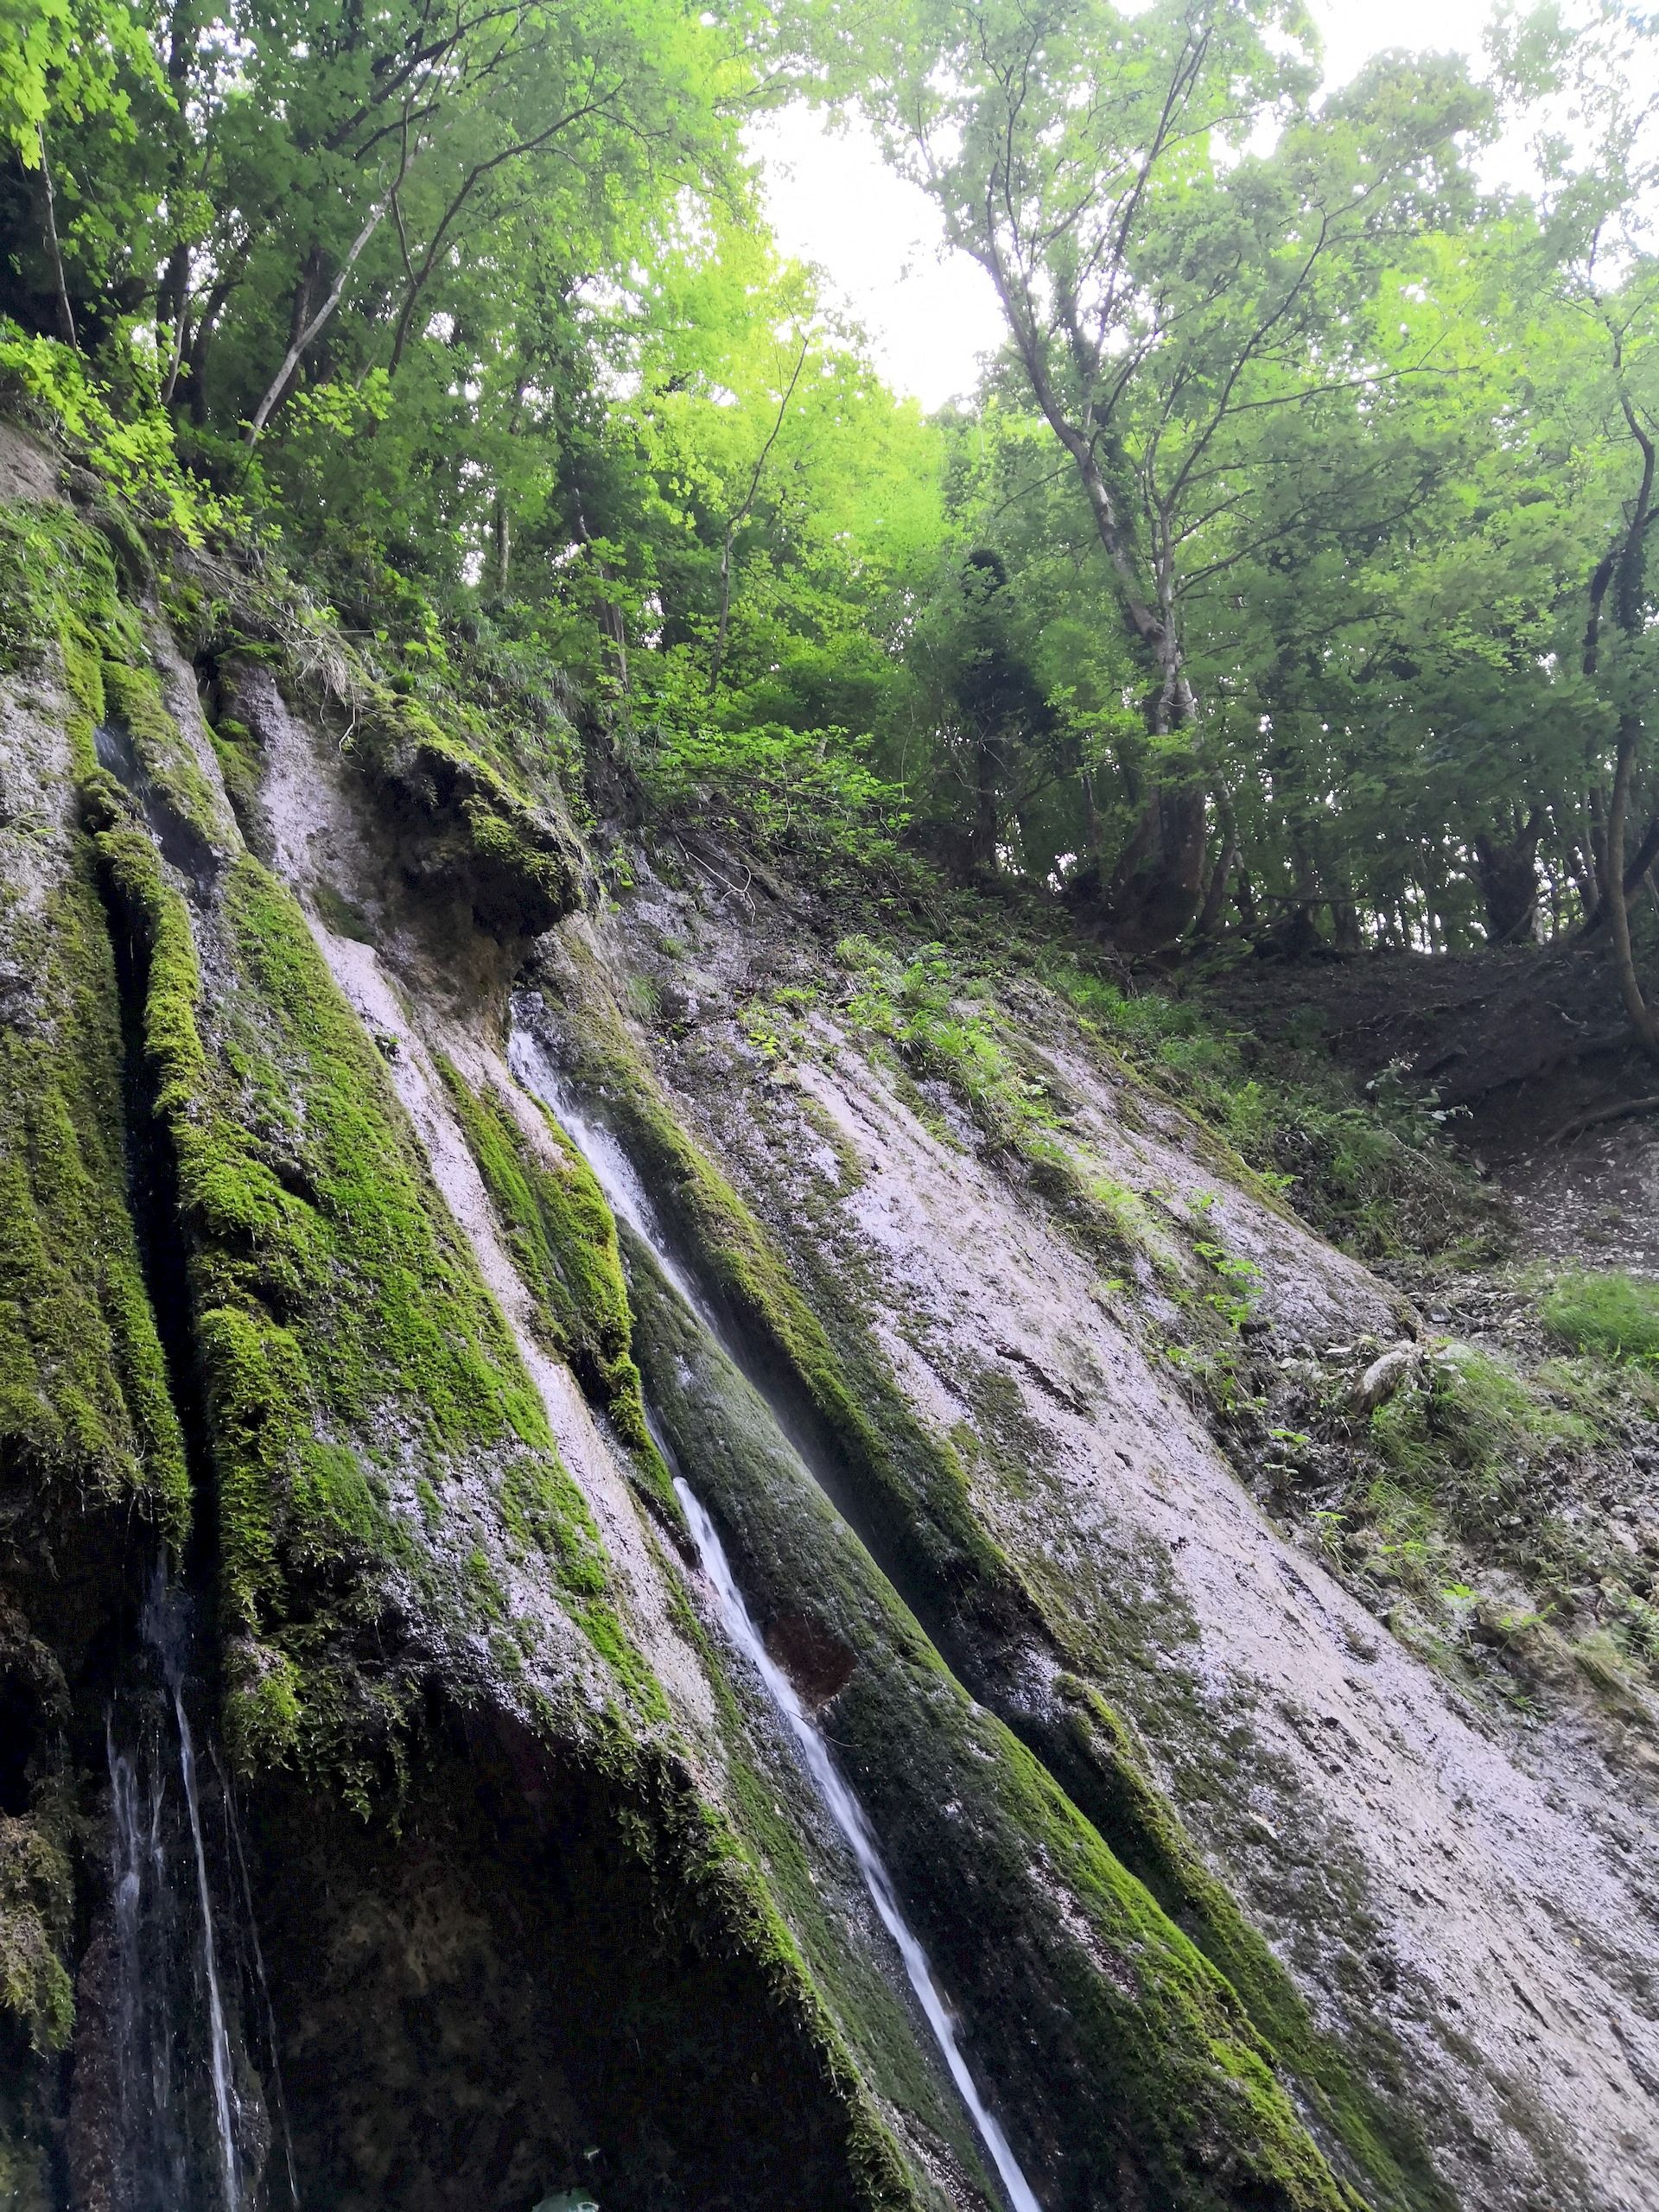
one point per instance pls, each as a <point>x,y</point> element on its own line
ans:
<point>1589,73</point>
<point>1161,282</point>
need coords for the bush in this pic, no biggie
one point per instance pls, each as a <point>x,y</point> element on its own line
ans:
<point>1615,1314</point>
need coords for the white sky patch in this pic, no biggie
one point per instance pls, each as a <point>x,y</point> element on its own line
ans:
<point>878,240</point>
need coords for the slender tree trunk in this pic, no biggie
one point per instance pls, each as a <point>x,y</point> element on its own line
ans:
<point>613,624</point>
<point>55,251</point>
<point>172,314</point>
<point>1215,896</point>
<point>1646,854</point>
<point>298,345</point>
<point>1642,1018</point>
<point>986,779</point>
<point>1597,804</point>
<point>501,543</point>
<point>1626,569</point>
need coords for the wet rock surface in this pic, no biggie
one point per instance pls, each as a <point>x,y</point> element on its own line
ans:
<point>1478,1892</point>
<point>1234,1894</point>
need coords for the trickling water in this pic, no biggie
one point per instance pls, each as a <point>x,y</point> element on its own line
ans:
<point>234,1829</point>
<point>850,1818</point>
<point>218,2041</point>
<point>614,1170</point>
<point>150,2150</point>
<point>187,2133</point>
<point>618,1178</point>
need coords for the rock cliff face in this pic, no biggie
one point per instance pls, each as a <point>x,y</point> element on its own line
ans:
<point>404,1243</point>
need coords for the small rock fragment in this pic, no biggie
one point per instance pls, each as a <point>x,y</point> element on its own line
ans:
<point>1384,1377</point>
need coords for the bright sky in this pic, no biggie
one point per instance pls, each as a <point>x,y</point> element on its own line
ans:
<point>878,239</point>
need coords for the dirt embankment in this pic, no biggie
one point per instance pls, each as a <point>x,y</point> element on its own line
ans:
<point>1529,1051</point>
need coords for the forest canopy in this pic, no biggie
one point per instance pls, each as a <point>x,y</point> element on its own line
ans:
<point>1285,580</point>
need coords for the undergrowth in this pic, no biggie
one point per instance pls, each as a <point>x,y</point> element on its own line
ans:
<point>1371,1172</point>
<point>1478,1510</point>
<point>1614,1314</point>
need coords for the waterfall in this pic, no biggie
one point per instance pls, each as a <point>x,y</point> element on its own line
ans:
<point>188,2129</point>
<point>620,1182</point>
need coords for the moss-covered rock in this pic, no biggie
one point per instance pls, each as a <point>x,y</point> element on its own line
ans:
<point>465,824</point>
<point>912,1486</point>
<point>1124,2061</point>
<point>562,1240</point>
<point>1021,1645</point>
<point>345,1336</point>
<point>83,1387</point>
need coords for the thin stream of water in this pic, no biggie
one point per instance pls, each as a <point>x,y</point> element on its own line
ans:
<point>218,2041</point>
<point>190,2129</point>
<point>850,1818</point>
<point>234,1827</point>
<point>618,1178</point>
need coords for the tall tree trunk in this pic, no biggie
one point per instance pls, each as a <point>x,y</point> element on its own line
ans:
<point>1507,872</point>
<point>1634,869</point>
<point>501,544</point>
<point>1642,1018</point>
<point>55,251</point>
<point>1157,887</point>
<point>983,841</point>
<point>1215,896</point>
<point>1625,569</point>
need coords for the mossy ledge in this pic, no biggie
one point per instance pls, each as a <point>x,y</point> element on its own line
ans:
<point>466,826</point>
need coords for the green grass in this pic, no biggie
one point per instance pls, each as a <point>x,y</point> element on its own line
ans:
<point>1614,1314</point>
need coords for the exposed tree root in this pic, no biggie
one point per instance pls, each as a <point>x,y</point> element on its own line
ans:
<point>1626,1110</point>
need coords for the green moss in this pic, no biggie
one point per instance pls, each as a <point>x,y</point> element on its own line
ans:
<point>37,1913</point>
<point>341,915</point>
<point>83,1385</point>
<point>243,773</point>
<point>874,1428</point>
<point>870,2018</point>
<point>58,584</point>
<point>1381,2140</point>
<point>562,1239</point>
<point>715,1890</point>
<point>914,1482</point>
<point>1465,1438</point>
<point>1368,1172</point>
<point>511,854</point>
<point>335,1303</point>
<point>133,698</point>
